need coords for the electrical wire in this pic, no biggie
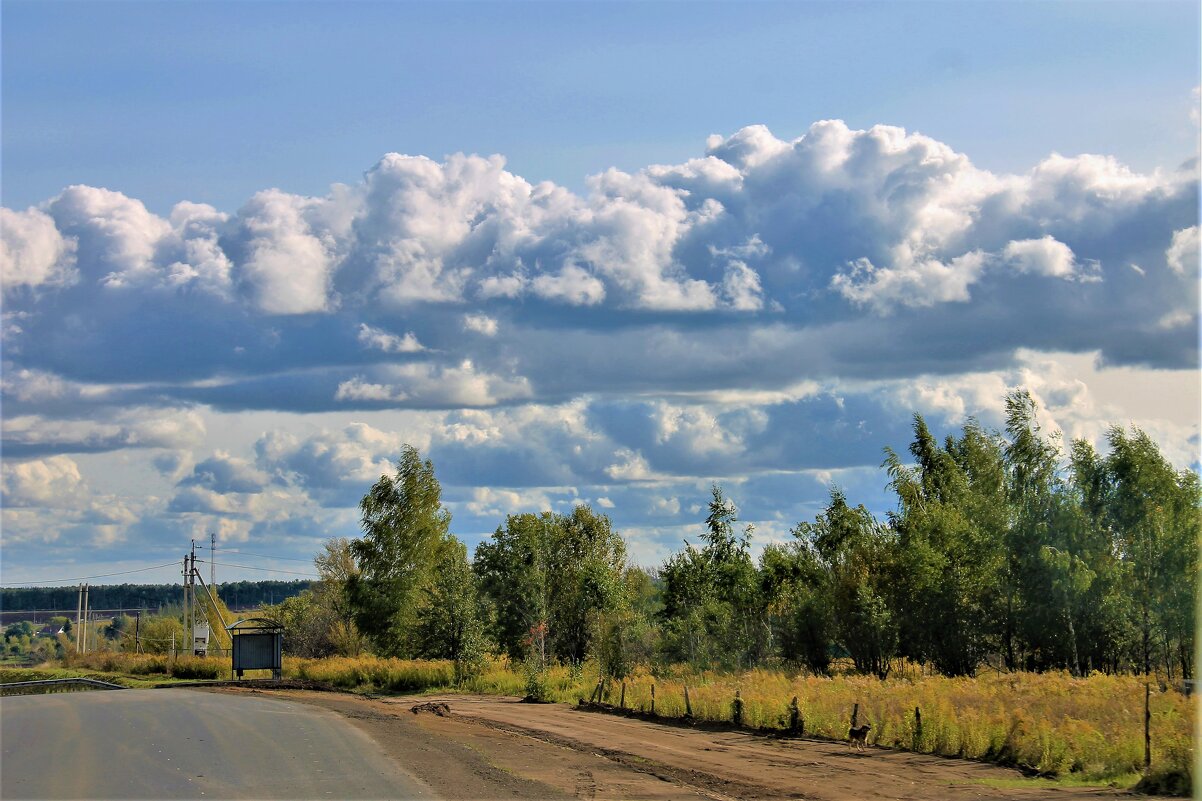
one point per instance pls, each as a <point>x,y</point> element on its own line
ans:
<point>38,582</point>
<point>266,569</point>
<point>72,611</point>
<point>260,555</point>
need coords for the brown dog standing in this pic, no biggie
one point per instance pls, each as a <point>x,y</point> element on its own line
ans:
<point>858,736</point>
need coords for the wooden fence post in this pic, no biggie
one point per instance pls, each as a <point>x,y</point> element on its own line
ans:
<point>796,724</point>
<point>652,699</point>
<point>917,728</point>
<point>736,710</point>
<point>855,715</point>
<point>622,702</point>
<point>1147,725</point>
<point>688,706</point>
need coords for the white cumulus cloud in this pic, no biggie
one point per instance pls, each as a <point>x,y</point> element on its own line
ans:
<point>380,339</point>
<point>33,251</point>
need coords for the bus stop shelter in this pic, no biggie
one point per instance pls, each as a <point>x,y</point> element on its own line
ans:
<point>257,644</point>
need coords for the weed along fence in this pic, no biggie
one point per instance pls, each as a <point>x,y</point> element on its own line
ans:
<point>1099,727</point>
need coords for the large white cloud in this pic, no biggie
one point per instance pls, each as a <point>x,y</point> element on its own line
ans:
<point>117,235</point>
<point>287,264</point>
<point>885,218</point>
<point>55,483</point>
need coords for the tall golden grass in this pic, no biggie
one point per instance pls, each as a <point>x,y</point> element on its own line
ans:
<point>181,667</point>
<point>369,672</point>
<point>1051,722</point>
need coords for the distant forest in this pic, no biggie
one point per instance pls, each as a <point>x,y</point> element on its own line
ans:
<point>151,597</point>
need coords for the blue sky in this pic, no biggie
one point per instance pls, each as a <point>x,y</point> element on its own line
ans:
<point>650,246</point>
<point>214,101</point>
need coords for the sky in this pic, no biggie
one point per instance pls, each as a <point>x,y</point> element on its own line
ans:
<point>598,253</point>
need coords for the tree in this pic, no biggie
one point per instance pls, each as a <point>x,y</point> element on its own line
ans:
<point>948,553</point>
<point>404,524</point>
<point>557,574</point>
<point>712,607</point>
<point>450,625</point>
<point>796,596</point>
<point>1038,518</point>
<point>22,629</point>
<point>336,566</point>
<point>851,553</point>
<point>511,569</point>
<point>160,632</point>
<point>121,626</point>
<point>1153,513</point>
<point>307,624</point>
<point>629,636</point>
<point>586,564</point>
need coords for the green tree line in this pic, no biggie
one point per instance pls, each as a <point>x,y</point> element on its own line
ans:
<point>1003,550</point>
<point>236,594</point>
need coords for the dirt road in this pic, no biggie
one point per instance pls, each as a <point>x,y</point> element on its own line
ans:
<point>489,747</point>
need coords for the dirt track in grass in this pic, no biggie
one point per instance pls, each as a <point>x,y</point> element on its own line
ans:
<point>492,747</point>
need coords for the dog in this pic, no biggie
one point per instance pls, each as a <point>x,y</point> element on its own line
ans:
<point>858,736</point>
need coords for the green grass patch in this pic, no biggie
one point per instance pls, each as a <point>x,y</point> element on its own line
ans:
<point>1125,781</point>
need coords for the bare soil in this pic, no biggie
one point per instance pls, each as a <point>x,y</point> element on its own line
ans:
<point>479,747</point>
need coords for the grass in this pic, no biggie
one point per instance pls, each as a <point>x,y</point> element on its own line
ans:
<point>1087,729</point>
<point>1051,723</point>
<point>371,673</point>
<point>1124,782</point>
<point>44,672</point>
<point>143,665</point>
<point>130,670</point>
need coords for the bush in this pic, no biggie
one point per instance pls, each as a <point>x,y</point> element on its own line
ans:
<point>198,667</point>
<point>1165,780</point>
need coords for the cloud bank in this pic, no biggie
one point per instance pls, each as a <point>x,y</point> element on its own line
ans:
<point>771,307</point>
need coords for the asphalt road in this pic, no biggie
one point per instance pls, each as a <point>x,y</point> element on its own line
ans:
<point>141,744</point>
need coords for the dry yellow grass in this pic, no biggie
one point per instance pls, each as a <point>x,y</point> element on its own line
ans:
<point>181,667</point>
<point>1050,722</point>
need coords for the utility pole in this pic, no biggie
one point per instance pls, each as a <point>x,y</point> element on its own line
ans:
<point>212,598</point>
<point>213,560</point>
<point>185,578</point>
<point>78,617</point>
<point>192,594</point>
<point>138,631</point>
<point>84,630</point>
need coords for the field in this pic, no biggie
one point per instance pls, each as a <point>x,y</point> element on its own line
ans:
<point>1074,729</point>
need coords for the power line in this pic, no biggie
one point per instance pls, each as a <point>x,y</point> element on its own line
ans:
<point>65,611</point>
<point>266,569</point>
<point>83,578</point>
<point>260,555</point>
